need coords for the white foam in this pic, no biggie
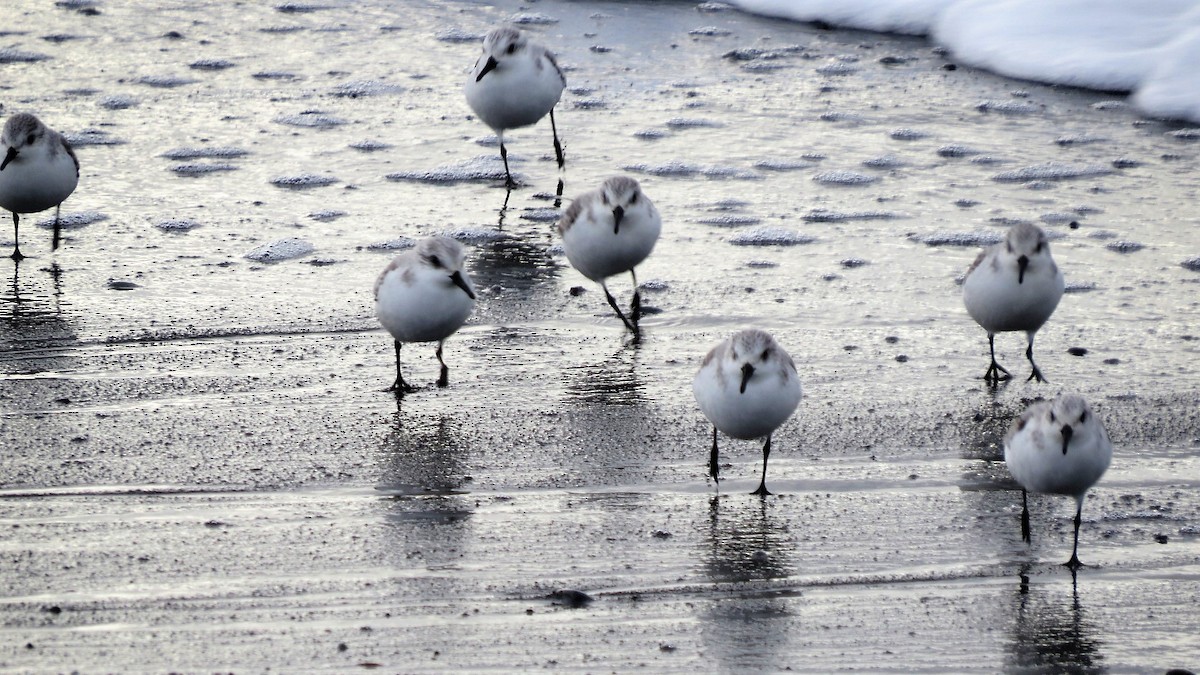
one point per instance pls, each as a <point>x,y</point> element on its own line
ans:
<point>1148,48</point>
<point>281,249</point>
<point>177,225</point>
<point>770,236</point>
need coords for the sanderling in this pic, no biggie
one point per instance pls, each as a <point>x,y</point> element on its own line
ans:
<point>608,231</point>
<point>39,170</point>
<point>747,386</point>
<point>424,295</point>
<point>514,84</point>
<point>1057,447</point>
<point>1013,286</point>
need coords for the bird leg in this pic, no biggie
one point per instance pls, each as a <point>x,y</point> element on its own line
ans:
<point>762,490</point>
<point>16,254</point>
<point>1074,563</point>
<point>400,386</point>
<point>613,303</point>
<point>635,305</point>
<point>508,179</point>
<point>558,151</point>
<point>1025,516</point>
<point>1036,374</point>
<point>713,467</point>
<point>444,377</point>
<point>993,372</point>
<point>57,213</point>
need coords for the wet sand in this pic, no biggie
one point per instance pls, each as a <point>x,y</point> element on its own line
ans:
<point>198,451</point>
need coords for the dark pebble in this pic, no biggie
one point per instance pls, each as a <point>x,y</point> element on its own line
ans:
<point>342,647</point>
<point>1161,538</point>
<point>577,291</point>
<point>1077,351</point>
<point>949,66</point>
<point>570,598</point>
<point>1111,362</point>
<point>901,358</point>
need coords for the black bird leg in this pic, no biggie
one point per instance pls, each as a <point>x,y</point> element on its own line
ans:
<point>444,377</point>
<point>993,372</point>
<point>1074,563</point>
<point>1025,516</point>
<point>57,227</point>
<point>16,254</point>
<point>508,179</point>
<point>558,151</point>
<point>713,465</point>
<point>400,386</point>
<point>613,303</point>
<point>762,490</point>
<point>1036,374</point>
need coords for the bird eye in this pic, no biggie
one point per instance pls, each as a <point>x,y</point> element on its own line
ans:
<point>512,48</point>
<point>435,261</point>
<point>765,354</point>
<point>633,199</point>
<point>1052,418</point>
<point>31,139</point>
<point>1039,247</point>
<point>1083,416</point>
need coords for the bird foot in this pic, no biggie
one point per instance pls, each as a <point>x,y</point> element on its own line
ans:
<point>400,388</point>
<point>993,374</point>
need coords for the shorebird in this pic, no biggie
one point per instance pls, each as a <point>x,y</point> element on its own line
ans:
<point>1013,286</point>
<point>747,386</point>
<point>514,84</point>
<point>424,295</point>
<point>1057,447</point>
<point>608,231</point>
<point>39,170</point>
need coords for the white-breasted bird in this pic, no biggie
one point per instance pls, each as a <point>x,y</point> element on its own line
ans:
<point>38,170</point>
<point>608,231</point>
<point>515,83</point>
<point>747,386</point>
<point>1057,447</point>
<point>424,295</point>
<point>1013,286</point>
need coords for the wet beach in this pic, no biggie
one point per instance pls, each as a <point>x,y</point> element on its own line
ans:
<point>201,469</point>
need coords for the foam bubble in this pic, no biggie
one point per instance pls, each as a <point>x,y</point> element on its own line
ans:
<point>280,250</point>
<point>770,236</point>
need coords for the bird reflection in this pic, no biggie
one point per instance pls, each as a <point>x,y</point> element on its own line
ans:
<point>984,427</point>
<point>746,543</point>
<point>32,314</point>
<point>423,457</point>
<point>503,214</point>
<point>513,265</point>
<point>504,208</point>
<point>1052,633</point>
<point>752,630</point>
<point>615,380</point>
